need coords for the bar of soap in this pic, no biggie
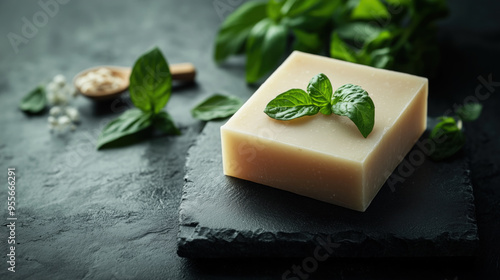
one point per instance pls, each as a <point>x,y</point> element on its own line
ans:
<point>326,157</point>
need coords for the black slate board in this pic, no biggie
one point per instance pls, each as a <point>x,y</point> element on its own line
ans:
<point>431,213</point>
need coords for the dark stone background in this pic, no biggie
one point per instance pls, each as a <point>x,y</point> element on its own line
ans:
<point>113,214</point>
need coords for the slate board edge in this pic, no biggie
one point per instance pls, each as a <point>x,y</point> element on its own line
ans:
<point>195,241</point>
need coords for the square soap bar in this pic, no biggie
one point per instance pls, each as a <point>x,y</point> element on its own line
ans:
<point>326,157</point>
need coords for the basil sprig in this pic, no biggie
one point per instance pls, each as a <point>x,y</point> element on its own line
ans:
<point>448,134</point>
<point>150,90</point>
<point>348,100</point>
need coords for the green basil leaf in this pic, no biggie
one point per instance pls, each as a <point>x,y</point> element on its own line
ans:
<point>355,103</point>
<point>293,8</point>
<point>292,104</point>
<point>164,123</point>
<point>307,41</point>
<point>340,50</point>
<point>34,102</point>
<point>448,138</point>
<point>150,82</point>
<point>469,112</point>
<point>217,106</point>
<point>320,90</point>
<point>273,9</point>
<point>358,32</point>
<point>235,29</point>
<point>130,122</point>
<point>399,2</point>
<point>370,9</point>
<point>265,47</point>
<point>381,58</point>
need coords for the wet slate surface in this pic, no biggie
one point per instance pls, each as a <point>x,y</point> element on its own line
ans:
<point>113,214</point>
<point>425,209</point>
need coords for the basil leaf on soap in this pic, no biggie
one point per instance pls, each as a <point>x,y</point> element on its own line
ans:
<point>34,102</point>
<point>234,31</point>
<point>217,106</point>
<point>354,102</point>
<point>164,123</point>
<point>292,104</point>
<point>130,122</point>
<point>320,90</point>
<point>265,47</point>
<point>348,100</point>
<point>448,137</point>
<point>469,112</point>
<point>150,82</point>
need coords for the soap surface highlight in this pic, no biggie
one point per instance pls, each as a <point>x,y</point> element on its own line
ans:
<point>326,157</point>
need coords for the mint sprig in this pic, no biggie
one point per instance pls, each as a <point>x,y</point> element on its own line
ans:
<point>150,90</point>
<point>348,100</point>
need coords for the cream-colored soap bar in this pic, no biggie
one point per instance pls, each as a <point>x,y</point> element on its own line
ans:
<point>326,157</point>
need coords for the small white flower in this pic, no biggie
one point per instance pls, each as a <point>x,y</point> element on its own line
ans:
<point>73,114</point>
<point>63,122</point>
<point>55,111</point>
<point>52,87</point>
<point>52,122</point>
<point>60,80</point>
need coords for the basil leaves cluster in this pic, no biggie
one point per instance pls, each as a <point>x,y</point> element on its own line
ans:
<point>150,90</point>
<point>391,34</point>
<point>348,100</point>
<point>260,30</point>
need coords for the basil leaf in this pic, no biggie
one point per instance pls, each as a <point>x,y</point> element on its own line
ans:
<point>370,9</point>
<point>34,102</point>
<point>399,2</point>
<point>355,103</point>
<point>448,138</point>
<point>320,90</point>
<point>469,112</point>
<point>293,8</point>
<point>307,41</point>
<point>216,106</point>
<point>358,32</point>
<point>265,46</point>
<point>235,29</point>
<point>292,104</point>
<point>150,82</point>
<point>164,123</point>
<point>340,50</point>
<point>130,122</point>
<point>273,9</point>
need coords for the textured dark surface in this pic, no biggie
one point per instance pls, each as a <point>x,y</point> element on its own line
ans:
<point>113,214</point>
<point>430,213</point>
